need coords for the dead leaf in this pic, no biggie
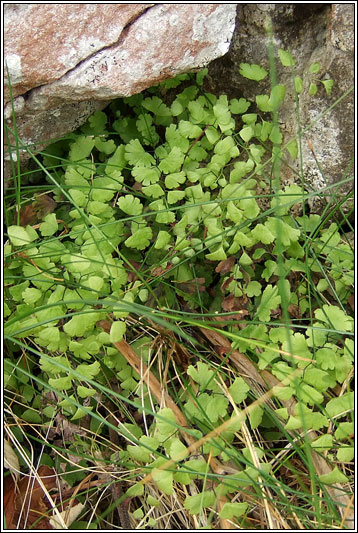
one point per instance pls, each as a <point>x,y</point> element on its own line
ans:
<point>132,274</point>
<point>226,283</point>
<point>158,271</point>
<point>42,205</point>
<point>27,503</point>
<point>351,301</point>
<point>65,429</point>
<point>232,303</point>
<point>68,516</point>
<point>193,286</point>
<point>11,461</point>
<point>226,265</point>
<point>294,311</point>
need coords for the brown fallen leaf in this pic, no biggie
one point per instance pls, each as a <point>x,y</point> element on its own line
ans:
<point>32,213</point>
<point>65,428</point>
<point>351,301</point>
<point>294,311</point>
<point>132,274</point>
<point>158,271</point>
<point>26,501</point>
<point>231,303</point>
<point>226,265</point>
<point>226,283</point>
<point>193,286</point>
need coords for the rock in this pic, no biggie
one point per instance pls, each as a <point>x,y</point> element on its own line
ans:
<point>43,42</point>
<point>66,61</point>
<point>313,33</point>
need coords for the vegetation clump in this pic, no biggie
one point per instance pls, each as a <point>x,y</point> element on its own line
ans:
<point>197,345</point>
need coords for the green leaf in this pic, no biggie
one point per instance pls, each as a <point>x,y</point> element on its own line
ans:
<point>175,196</point>
<point>298,84</point>
<point>315,68</point>
<point>325,442</point>
<point>252,72</point>
<point>89,371</point>
<point>336,476</point>
<point>49,364</point>
<point>344,431</point>
<point>31,416</point>
<point>136,155</point>
<point>79,324</point>
<point>195,504</point>
<point>80,413</point>
<point>130,204</point>
<point>106,147</point>
<point>340,406</point>
<point>178,449</point>
<point>61,383</point>
<point>187,129</point>
<point>262,234</point>
<point>277,96</point>
<point>144,125</point>
<point>246,133</point>
<point>153,191</point>
<point>81,148</point>
<point>31,295</point>
<point>229,510</point>
<point>20,236</point>
<point>255,416</point>
<point>313,89</point>
<point>292,148</point>
<point>345,454</point>
<point>117,331</point>
<point>140,238</point>
<point>282,231</point>
<point>175,139</point>
<point>201,75</point>
<point>85,392</point>
<point>223,115</point>
<point>164,480</point>
<point>263,103</point>
<point>146,175</point>
<point>158,108</point>
<point>286,58</point>
<point>164,426</point>
<point>172,181</point>
<point>50,226</point>
<point>117,162</point>
<point>239,390</point>
<point>218,255</point>
<point>334,317</point>
<point>202,375</point>
<point>163,240</point>
<point>270,300</point>
<point>276,135</point>
<point>197,112</point>
<point>237,107</point>
<point>139,453</point>
<point>216,408</point>
<point>135,490</point>
<point>172,162</point>
<point>328,85</point>
<point>227,146</point>
<point>253,289</point>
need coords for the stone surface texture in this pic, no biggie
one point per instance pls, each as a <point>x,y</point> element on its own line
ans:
<point>313,33</point>
<point>66,61</point>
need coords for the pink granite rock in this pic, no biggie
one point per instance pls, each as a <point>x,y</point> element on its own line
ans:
<point>67,60</point>
<point>44,41</point>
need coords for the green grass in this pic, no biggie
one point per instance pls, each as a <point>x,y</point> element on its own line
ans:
<point>256,386</point>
